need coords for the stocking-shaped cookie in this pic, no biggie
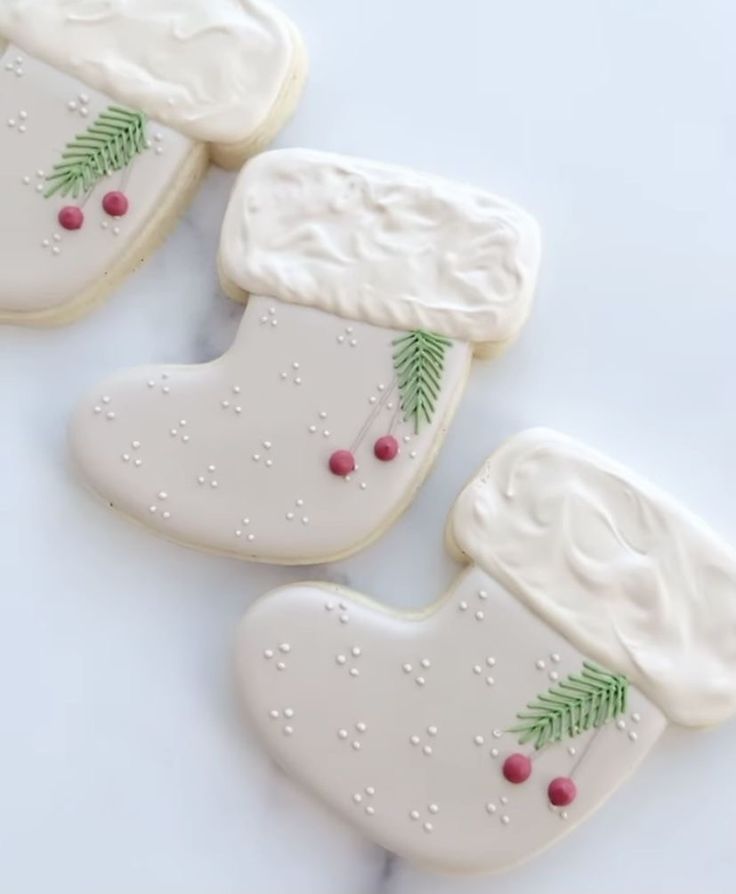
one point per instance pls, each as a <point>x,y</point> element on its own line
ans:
<point>472,735</point>
<point>109,113</point>
<point>371,287</point>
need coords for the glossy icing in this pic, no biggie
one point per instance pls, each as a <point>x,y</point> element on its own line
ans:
<point>212,69</point>
<point>45,267</point>
<point>393,722</point>
<point>618,567</point>
<point>386,245</point>
<point>232,456</point>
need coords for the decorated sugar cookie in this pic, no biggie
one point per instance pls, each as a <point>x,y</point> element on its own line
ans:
<point>109,113</point>
<point>370,289</point>
<point>594,612</point>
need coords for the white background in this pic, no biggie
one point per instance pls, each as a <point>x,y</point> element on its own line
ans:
<point>124,762</point>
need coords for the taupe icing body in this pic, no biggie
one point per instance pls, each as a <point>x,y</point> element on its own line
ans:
<point>431,751</point>
<point>240,447</point>
<point>45,267</point>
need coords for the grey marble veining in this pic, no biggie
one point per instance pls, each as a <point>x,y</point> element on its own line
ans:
<point>125,762</point>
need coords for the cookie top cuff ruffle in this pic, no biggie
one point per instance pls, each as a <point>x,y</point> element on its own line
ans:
<point>381,244</point>
<point>211,69</point>
<point>619,568</point>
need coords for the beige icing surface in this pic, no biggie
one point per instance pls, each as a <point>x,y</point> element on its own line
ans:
<point>232,456</point>
<point>398,722</point>
<point>387,245</point>
<point>44,266</point>
<point>212,69</point>
<point>619,567</point>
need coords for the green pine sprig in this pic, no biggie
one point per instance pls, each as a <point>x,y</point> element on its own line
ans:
<point>109,144</point>
<point>581,701</point>
<point>419,361</point>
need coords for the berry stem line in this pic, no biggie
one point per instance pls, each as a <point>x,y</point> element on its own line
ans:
<point>372,416</point>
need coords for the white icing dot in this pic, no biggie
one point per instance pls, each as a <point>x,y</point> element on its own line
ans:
<point>497,733</point>
<point>166,516</point>
<point>407,668</point>
<point>126,457</point>
<point>414,740</point>
<point>214,484</point>
<point>312,429</point>
<point>555,657</point>
<point>425,662</point>
<point>268,653</point>
<point>305,520</point>
<point>633,736</point>
<point>138,462</point>
<point>370,810</point>
<point>491,808</point>
<point>224,404</point>
<point>363,485</point>
<point>428,827</point>
<point>344,618</point>
<point>256,457</point>
<point>553,675</point>
<point>152,508</point>
<point>56,250</point>
<point>289,516</point>
<point>340,659</point>
<point>342,734</point>
<point>288,730</point>
<point>490,661</point>
<point>369,790</point>
<point>355,651</point>
<point>360,726</point>
<point>504,799</point>
<point>427,750</point>
<point>540,665</point>
<point>280,666</point>
<point>356,745</point>
<point>433,808</point>
<point>97,410</point>
<point>413,454</point>
<point>299,502</point>
<point>494,752</point>
<point>505,820</point>
<point>354,672</point>
<point>572,751</point>
<point>477,669</point>
<point>372,400</point>
<point>636,717</point>
<point>357,797</point>
<point>414,814</point>
<point>479,740</point>
<point>563,814</point>
<point>340,339</point>
<point>326,433</point>
<point>104,224</point>
<point>482,594</point>
<point>72,106</point>
<point>479,615</point>
<point>621,724</point>
<point>463,606</point>
<point>420,681</point>
<point>200,479</point>
<point>285,648</point>
<point>432,730</point>
<point>490,681</point>
<point>26,181</point>
<point>323,414</point>
<point>274,714</point>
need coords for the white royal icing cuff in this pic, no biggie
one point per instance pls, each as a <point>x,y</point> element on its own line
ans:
<point>212,69</point>
<point>620,569</point>
<point>381,244</point>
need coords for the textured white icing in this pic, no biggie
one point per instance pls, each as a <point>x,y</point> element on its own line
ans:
<point>383,244</point>
<point>240,447</point>
<point>44,267</point>
<point>212,69</point>
<point>391,719</point>
<point>618,567</point>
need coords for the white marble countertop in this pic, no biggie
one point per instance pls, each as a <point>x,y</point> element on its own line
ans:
<point>125,763</point>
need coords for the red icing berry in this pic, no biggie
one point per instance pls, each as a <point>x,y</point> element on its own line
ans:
<point>342,463</point>
<point>71,217</point>
<point>115,203</point>
<point>386,448</point>
<point>517,768</point>
<point>562,791</point>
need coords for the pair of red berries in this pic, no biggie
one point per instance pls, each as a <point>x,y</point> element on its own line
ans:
<point>115,203</point>
<point>561,791</point>
<point>342,462</point>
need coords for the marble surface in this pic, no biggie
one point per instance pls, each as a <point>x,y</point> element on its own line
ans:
<point>125,762</point>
